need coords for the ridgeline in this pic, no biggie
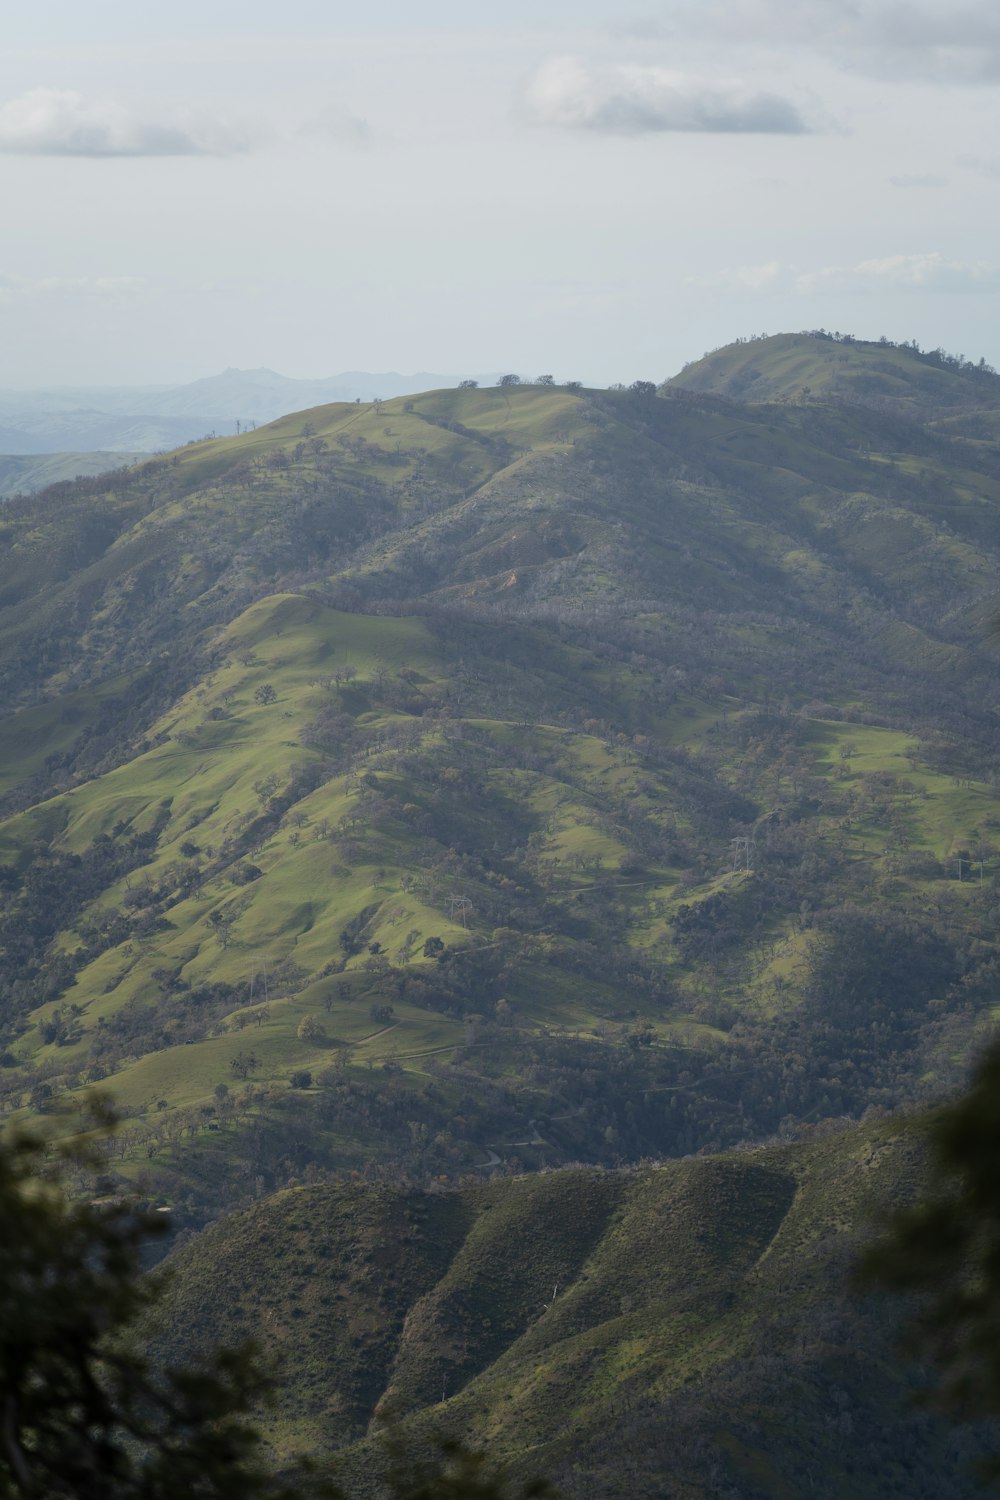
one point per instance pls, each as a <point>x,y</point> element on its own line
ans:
<point>490,780</point>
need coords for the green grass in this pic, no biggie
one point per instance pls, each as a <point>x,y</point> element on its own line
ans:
<point>789,366</point>
<point>590,598</point>
<point>28,738</point>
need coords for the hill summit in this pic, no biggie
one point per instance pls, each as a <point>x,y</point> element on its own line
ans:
<point>509,776</point>
<point>820,366</point>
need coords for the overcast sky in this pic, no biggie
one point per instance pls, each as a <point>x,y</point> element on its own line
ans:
<point>537,185</point>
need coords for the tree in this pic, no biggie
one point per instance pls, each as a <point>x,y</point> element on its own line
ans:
<point>545,380</point>
<point>468,385</point>
<point>433,948</point>
<point>946,1250</point>
<point>266,693</point>
<point>243,1064</point>
<point>509,380</point>
<point>86,1415</point>
<point>642,388</point>
<point>310,1030</point>
<point>222,925</point>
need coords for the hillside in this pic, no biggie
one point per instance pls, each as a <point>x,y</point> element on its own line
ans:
<point>820,366</point>
<point>22,474</point>
<point>674,1331</point>
<point>519,775</point>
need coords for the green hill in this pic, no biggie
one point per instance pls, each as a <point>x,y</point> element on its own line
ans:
<point>672,1331</point>
<point>21,474</point>
<point>520,775</point>
<point>820,366</point>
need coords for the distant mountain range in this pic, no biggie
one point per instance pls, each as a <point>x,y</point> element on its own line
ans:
<point>145,419</point>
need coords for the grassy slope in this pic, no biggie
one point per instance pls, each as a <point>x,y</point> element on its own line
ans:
<point>655,1332</point>
<point>787,366</point>
<point>22,473</point>
<point>306,895</point>
<point>501,737</point>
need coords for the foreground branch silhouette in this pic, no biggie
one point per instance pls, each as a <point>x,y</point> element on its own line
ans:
<point>84,1413</point>
<point>945,1250</point>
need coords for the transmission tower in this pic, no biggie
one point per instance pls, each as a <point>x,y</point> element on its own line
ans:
<point>461,904</point>
<point>743,849</point>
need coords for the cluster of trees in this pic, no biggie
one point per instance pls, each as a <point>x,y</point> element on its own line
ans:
<point>939,357</point>
<point>637,388</point>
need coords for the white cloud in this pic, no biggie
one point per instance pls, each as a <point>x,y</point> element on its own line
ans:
<point>627,99</point>
<point>927,272</point>
<point>939,39</point>
<point>918,180</point>
<point>62,122</point>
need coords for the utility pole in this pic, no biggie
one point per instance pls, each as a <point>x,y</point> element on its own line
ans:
<point>253,980</point>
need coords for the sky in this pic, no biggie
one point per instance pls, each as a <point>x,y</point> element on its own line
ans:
<point>571,187</point>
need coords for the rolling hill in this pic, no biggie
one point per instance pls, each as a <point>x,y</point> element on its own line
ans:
<point>523,775</point>
<point>901,378</point>
<point>23,474</point>
<point>677,1331</point>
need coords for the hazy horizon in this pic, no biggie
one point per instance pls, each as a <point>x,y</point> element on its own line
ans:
<point>556,187</point>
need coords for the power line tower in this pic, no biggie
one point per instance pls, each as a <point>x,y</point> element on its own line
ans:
<point>743,849</point>
<point>461,904</point>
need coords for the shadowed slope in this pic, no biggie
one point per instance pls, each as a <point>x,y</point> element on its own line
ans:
<point>653,1332</point>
